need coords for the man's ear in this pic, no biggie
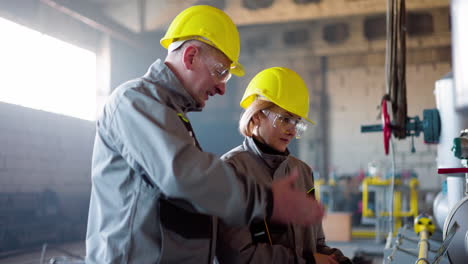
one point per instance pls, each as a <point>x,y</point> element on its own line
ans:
<point>188,56</point>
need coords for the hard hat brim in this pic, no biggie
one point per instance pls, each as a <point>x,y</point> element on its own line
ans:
<point>237,69</point>
<point>247,101</point>
<point>310,121</point>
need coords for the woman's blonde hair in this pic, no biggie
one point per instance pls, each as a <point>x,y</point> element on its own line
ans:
<point>246,125</point>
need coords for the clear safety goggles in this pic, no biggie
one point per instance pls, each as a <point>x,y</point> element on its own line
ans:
<point>218,71</point>
<point>284,122</point>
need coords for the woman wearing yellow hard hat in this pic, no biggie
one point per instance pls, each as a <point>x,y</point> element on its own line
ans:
<point>276,104</point>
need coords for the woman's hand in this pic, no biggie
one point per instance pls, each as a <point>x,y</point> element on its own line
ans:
<point>325,259</point>
<point>294,206</point>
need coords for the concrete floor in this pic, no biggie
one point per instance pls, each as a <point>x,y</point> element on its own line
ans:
<point>40,256</point>
<point>372,251</point>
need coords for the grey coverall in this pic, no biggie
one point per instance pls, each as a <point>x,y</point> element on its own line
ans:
<point>154,192</point>
<point>290,243</point>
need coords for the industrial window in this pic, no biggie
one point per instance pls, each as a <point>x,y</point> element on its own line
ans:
<point>42,72</point>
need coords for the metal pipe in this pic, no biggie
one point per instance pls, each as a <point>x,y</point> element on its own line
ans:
<point>414,197</point>
<point>366,212</point>
<point>459,19</point>
<point>392,193</point>
<point>455,190</point>
<point>408,251</point>
<point>452,122</point>
<point>397,196</point>
<point>423,247</point>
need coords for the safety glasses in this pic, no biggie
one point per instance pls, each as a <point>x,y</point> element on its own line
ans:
<point>284,122</point>
<point>218,71</point>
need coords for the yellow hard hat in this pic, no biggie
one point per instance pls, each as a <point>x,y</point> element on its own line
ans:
<point>210,25</point>
<point>283,87</point>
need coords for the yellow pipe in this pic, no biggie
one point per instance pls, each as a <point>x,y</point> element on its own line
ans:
<point>414,197</point>
<point>366,234</point>
<point>362,233</point>
<point>424,227</point>
<point>397,214</point>
<point>413,202</point>
<point>377,181</point>
<point>423,247</point>
<point>366,212</point>
<point>397,209</point>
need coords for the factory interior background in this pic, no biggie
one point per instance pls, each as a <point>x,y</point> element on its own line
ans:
<point>61,59</point>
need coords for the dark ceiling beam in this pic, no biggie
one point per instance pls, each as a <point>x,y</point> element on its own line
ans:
<point>90,14</point>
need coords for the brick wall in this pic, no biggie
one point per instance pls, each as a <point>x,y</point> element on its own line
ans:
<point>41,150</point>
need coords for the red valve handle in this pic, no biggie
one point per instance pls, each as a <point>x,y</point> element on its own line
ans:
<point>452,170</point>
<point>387,130</point>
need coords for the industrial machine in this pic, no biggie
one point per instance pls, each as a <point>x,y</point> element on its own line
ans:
<point>454,247</point>
<point>458,215</point>
<point>442,127</point>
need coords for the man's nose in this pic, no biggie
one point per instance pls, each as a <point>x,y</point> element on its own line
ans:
<point>221,88</point>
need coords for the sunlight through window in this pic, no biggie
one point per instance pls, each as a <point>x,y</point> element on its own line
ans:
<point>41,72</point>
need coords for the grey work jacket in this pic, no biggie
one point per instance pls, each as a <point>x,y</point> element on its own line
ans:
<point>154,192</point>
<point>250,244</point>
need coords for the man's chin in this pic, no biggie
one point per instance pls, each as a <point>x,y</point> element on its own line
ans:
<point>201,104</point>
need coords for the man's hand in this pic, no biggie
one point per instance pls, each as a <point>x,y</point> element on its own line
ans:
<point>294,206</point>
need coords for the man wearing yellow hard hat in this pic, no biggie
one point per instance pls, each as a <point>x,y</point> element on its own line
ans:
<point>155,193</point>
<point>276,104</point>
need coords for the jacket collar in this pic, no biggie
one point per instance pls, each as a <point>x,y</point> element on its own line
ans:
<point>272,160</point>
<point>160,74</point>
